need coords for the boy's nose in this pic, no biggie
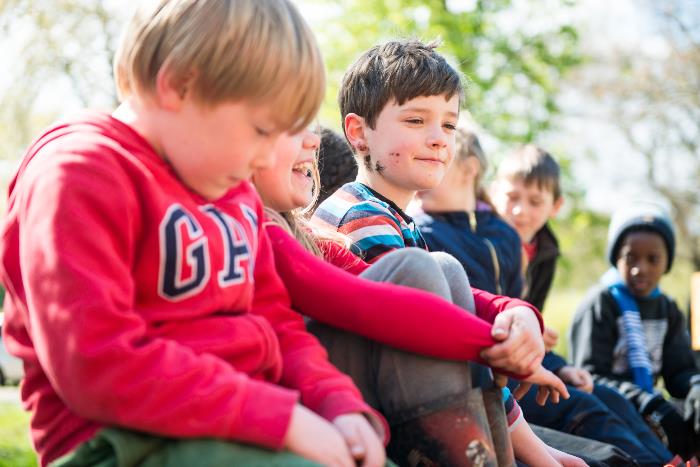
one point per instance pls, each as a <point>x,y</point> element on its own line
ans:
<point>518,209</point>
<point>437,139</point>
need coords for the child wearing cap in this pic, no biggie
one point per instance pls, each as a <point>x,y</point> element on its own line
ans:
<point>627,332</point>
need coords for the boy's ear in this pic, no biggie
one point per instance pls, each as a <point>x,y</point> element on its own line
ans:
<point>556,207</point>
<point>355,132</point>
<point>171,93</point>
<point>471,166</point>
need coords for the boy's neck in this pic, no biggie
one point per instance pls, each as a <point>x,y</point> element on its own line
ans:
<point>400,196</point>
<point>135,113</point>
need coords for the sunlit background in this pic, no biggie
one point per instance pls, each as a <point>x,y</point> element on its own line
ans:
<point>610,87</point>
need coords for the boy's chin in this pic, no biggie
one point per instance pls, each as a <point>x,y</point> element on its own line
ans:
<point>424,185</point>
<point>640,292</point>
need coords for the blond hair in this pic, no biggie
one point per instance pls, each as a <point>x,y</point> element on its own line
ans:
<point>226,50</point>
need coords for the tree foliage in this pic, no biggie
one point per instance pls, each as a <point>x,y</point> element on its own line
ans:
<point>62,59</point>
<point>513,65</point>
<point>66,47</point>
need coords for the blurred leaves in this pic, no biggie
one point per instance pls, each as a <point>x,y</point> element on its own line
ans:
<point>63,52</point>
<point>513,70</point>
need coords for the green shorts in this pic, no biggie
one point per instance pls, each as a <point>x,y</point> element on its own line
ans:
<point>113,447</point>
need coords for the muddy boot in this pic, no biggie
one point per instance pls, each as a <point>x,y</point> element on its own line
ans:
<point>458,436</point>
<point>498,425</point>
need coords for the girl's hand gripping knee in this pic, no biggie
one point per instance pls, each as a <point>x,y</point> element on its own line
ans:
<point>520,348</point>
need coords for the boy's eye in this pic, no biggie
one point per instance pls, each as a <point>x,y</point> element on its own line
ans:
<point>262,131</point>
<point>450,126</point>
<point>414,121</point>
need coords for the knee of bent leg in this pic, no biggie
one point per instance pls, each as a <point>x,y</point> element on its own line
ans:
<point>413,259</point>
<point>450,266</point>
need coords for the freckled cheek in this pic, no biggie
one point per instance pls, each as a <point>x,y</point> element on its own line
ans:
<point>394,158</point>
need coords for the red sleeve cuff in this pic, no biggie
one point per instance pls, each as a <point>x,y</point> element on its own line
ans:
<point>265,414</point>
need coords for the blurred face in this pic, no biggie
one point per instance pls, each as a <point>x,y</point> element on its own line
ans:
<point>289,184</point>
<point>526,207</point>
<point>213,149</point>
<point>642,261</point>
<point>411,145</point>
<point>456,191</point>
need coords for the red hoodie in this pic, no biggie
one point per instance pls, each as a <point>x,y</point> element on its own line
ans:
<point>131,301</point>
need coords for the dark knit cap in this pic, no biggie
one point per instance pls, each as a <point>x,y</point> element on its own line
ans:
<point>640,217</point>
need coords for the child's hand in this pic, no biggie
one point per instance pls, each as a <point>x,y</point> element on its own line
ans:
<point>520,348</point>
<point>550,338</point>
<point>577,377</point>
<point>549,386</point>
<point>566,460</point>
<point>363,442</point>
<point>692,407</point>
<point>314,438</point>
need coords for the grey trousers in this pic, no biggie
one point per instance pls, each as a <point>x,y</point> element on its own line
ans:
<point>402,385</point>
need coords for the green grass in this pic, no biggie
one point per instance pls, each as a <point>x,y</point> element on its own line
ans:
<point>15,448</point>
<point>558,312</point>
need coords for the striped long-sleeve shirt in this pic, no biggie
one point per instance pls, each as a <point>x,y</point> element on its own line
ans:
<point>375,224</point>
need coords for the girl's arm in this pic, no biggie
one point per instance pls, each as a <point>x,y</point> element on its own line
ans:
<point>531,450</point>
<point>429,325</point>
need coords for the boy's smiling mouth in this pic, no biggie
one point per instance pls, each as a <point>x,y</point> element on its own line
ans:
<point>430,160</point>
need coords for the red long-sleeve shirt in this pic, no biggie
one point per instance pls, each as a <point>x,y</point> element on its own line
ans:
<point>402,317</point>
<point>134,302</point>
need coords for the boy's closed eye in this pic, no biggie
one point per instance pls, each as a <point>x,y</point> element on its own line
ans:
<point>414,121</point>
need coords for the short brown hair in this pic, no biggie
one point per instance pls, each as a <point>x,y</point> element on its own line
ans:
<point>399,70</point>
<point>532,164</point>
<point>226,50</point>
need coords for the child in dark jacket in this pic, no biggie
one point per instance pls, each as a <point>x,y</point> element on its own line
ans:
<point>628,333</point>
<point>457,218</point>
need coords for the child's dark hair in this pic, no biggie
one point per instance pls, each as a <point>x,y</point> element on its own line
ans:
<point>336,163</point>
<point>399,70</point>
<point>532,164</point>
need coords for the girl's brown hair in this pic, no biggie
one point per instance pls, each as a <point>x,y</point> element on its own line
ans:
<point>468,145</point>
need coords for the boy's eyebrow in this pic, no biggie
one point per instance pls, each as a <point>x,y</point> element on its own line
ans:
<point>425,110</point>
